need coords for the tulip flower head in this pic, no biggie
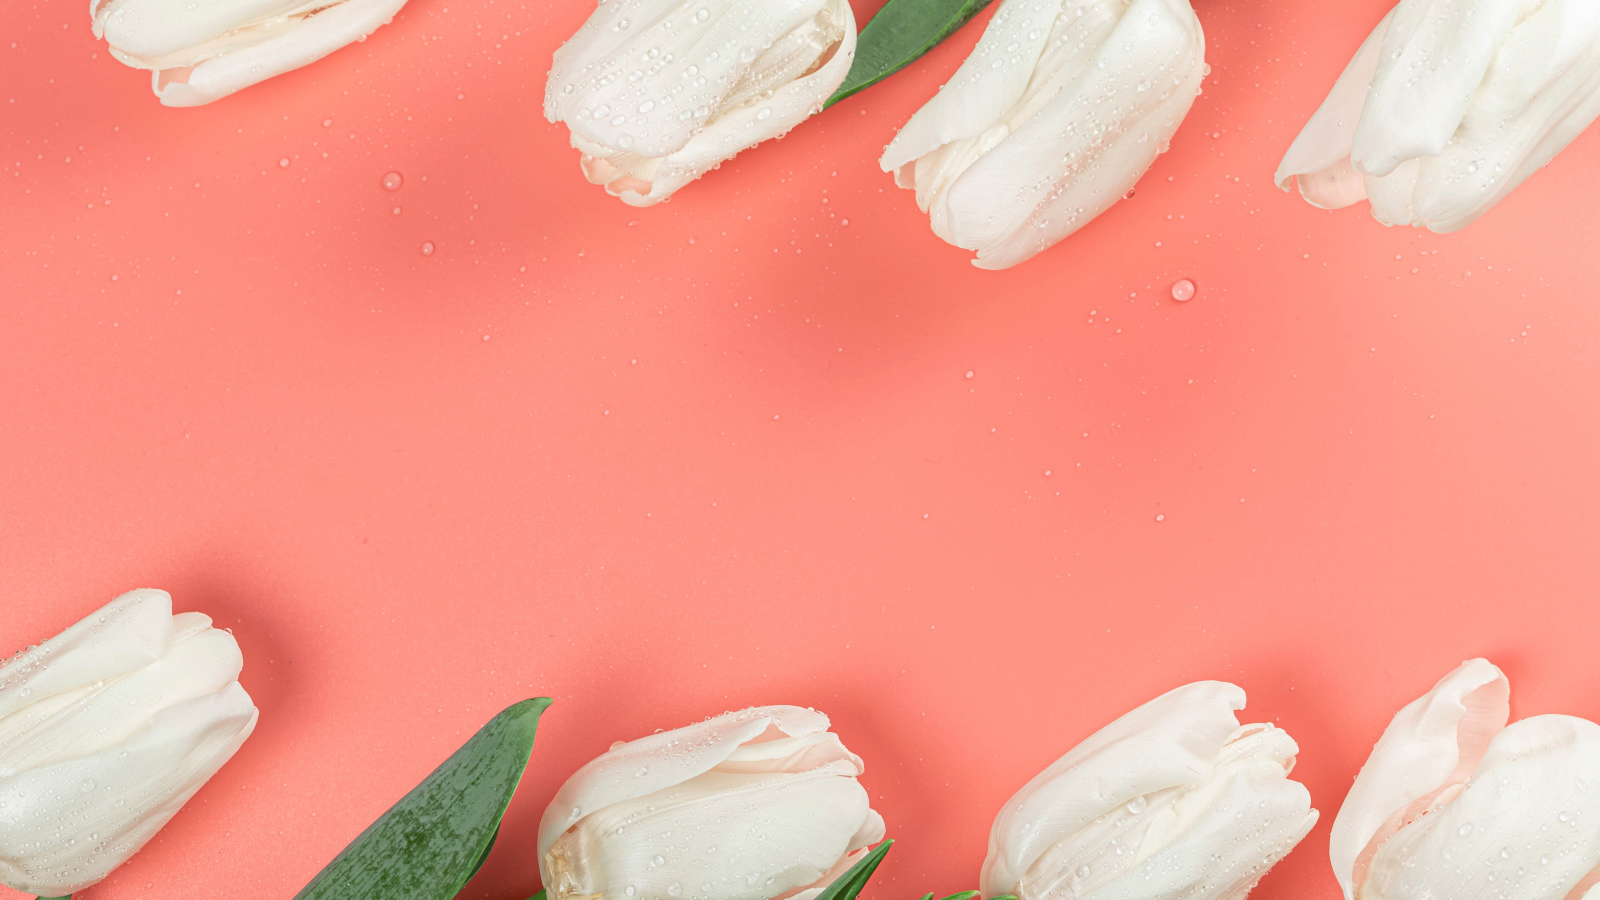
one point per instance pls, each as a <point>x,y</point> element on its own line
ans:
<point>1455,803</point>
<point>1059,111</point>
<point>198,53</point>
<point>1447,106</point>
<point>751,805</point>
<point>106,730</point>
<point>656,94</point>
<point>1174,799</point>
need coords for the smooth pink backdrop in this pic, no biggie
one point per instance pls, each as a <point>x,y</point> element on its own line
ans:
<point>662,463</point>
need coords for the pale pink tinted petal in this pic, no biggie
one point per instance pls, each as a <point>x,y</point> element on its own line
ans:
<point>1320,155</point>
<point>1432,743</point>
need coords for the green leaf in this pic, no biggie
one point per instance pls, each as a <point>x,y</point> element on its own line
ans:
<point>427,845</point>
<point>848,885</point>
<point>967,895</point>
<point>898,35</point>
<point>538,896</point>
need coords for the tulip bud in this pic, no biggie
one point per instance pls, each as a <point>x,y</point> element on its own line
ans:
<point>749,805</point>
<point>1455,803</point>
<point>106,730</point>
<point>1054,117</point>
<point>203,52</point>
<point>1448,106</point>
<point>656,94</point>
<point>1174,799</point>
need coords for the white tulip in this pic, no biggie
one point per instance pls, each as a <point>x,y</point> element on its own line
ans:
<point>1454,803</point>
<point>1448,106</point>
<point>1059,111</point>
<point>106,730</point>
<point>202,52</point>
<point>1173,801</point>
<point>749,805</point>
<point>658,92</point>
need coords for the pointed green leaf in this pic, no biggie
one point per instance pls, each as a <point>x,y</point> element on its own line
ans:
<point>850,883</point>
<point>898,35</point>
<point>964,895</point>
<point>427,845</point>
<point>538,896</point>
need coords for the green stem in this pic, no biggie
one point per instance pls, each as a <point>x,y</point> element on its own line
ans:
<point>67,897</point>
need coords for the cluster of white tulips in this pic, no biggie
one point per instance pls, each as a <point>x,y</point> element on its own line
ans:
<point>109,728</point>
<point>1056,115</point>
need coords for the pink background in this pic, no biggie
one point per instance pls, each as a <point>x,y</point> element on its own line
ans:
<point>662,463</point>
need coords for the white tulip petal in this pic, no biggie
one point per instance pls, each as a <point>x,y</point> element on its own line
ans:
<point>659,761</point>
<point>1542,90</point>
<point>789,754</point>
<point>203,53</point>
<point>198,661</point>
<point>991,80</point>
<point>1432,745</point>
<point>1224,837</point>
<point>1007,174</point>
<point>1172,741</point>
<point>81,818</point>
<point>1433,58</point>
<point>1528,823</point>
<point>129,632</point>
<point>657,92</point>
<point>1319,158</point>
<point>715,837</point>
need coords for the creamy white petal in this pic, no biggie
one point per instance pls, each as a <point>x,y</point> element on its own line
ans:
<point>79,819</point>
<point>1542,90</point>
<point>657,92</point>
<point>1432,744</point>
<point>789,754</point>
<point>1526,827</point>
<point>1174,740</point>
<point>1108,89</point>
<point>1223,837</point>
<point>1319,158</point>
<point>659,761</point>
<point>744,126</point>
<point>990,81</point>
<point>299,42</point>
<point>717,836</point>
<point>198,661</point>
<point>1434,57</point>
<point>201,53</point>
<point>129,632</point>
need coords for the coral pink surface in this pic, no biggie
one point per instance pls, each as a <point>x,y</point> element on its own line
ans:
<point>772,442</point>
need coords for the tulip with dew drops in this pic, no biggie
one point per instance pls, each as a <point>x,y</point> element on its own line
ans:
<point>106,731</point>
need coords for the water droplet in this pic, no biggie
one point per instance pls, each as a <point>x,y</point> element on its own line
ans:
<point>1465,829</point>
<point>283,163</point>
<point>396,210</point>
<point>629,891</point>
<point>1183,290</point>
<point>674,889</point>
<point>427,250</point>
<point>1128,195</point>
<point>658,860</point>
<point>643,771</point>
<point>392,181</point>
<point>87,786</point>
<point>1137,805</point>
<point>326,122</point>
<point>622,25</point>
<point>1083,872</point>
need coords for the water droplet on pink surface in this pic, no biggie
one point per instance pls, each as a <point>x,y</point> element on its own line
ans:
<point>1128,195</point>
<point>427,248</point>
<point>283,163</point>
<point>392,181</point>
<point>1183,290</point>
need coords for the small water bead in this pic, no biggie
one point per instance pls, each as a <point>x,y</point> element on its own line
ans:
<point>629,891</point>
<point>392,181</point>
<point>396,210</point>
<point>87,786</point>
<point>283,162</point>
<point>1465,829</point>
<point>1137,805</point>
<point>1128,195</point>
<point>1183,290</point>
<point>427,250</point>
<point>622,24</point>
<point>1083,871</point>
<point>674,889</point>
<point>658,860</point>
